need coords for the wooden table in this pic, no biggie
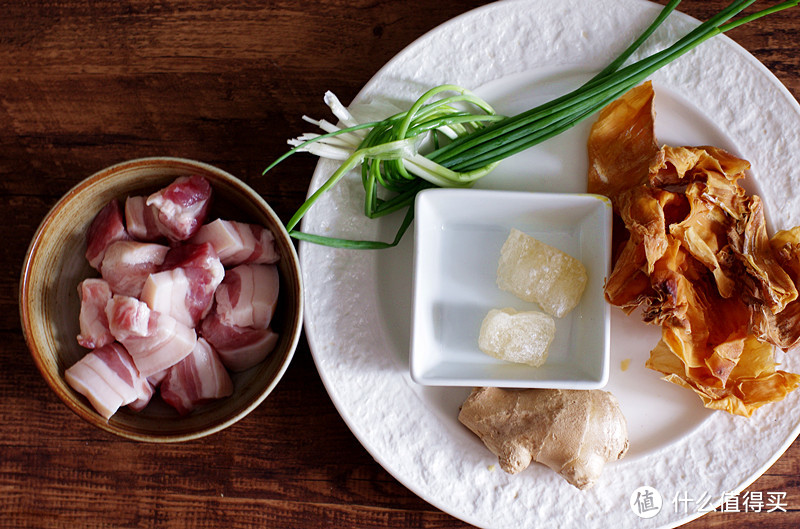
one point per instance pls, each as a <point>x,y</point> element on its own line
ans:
<point>86,84</point>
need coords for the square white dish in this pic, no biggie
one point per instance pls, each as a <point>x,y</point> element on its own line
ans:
<point>458,234</point>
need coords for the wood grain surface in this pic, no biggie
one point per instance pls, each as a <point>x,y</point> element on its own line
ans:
<point>85,84</point>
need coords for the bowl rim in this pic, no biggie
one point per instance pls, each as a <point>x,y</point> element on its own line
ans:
<point>33,348</point>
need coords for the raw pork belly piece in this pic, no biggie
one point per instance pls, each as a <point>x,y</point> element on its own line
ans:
<point>156,378</point>
<point>239,348</point>
<point>189,255</point>
<point>127,264</point>
<point>106,228</point>
<point>148,390</point>
<point>155,341</point>
<point>182,206</point>
<point>247,296</point>
<point>168,292</point>
<point>185,286</point>
<point>238,242</point>
<point>108,377</point>
<point>101,394</point>
<point>140,219</point>
<point>195,380</point>
<point>94,295</point>
<point>117,358</point>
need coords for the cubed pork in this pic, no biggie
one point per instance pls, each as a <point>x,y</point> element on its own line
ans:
<point>106,228</point>
<point>238,242</point>
<point>167,292</point>
<point>141,219</point>
<point>155,341</point>
<point>94,295</point>
<point>239,348</point>
<point>196,380</point>
<point>148,390</point>
<point>247,295</point>
<point>182,206</point>
<point>127,264</point>
<point>156,378</point>
<point>100,392</point>
<point>185,286</point>
<point>201,256</point>
<point>108,377</point>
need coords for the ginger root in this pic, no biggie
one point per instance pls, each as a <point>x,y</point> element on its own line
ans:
<point>574,432</point>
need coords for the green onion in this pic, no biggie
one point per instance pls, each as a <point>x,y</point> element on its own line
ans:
<point>453,140</point>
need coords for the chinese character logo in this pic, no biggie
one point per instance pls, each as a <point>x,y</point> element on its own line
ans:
<point>646,502</point>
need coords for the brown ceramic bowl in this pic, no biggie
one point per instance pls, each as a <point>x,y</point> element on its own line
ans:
<point>55,264</point>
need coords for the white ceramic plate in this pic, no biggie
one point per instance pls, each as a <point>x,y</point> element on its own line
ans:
<point>457,240</point>
<point>516,54</point>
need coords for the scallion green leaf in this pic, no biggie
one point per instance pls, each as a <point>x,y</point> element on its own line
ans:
<point>477,139</point>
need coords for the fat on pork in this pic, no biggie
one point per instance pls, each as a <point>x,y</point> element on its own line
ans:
<point>239,348</point>
<point>94,294</point>
<point>141,220</point>
<point>155,341</point>
<point>182,206</point>
<point>247,295</point>
<point>185,285</point>
<point>127,264</point>
<point>108,378</point>
<point>196,380</point>
<point>239,242</point>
